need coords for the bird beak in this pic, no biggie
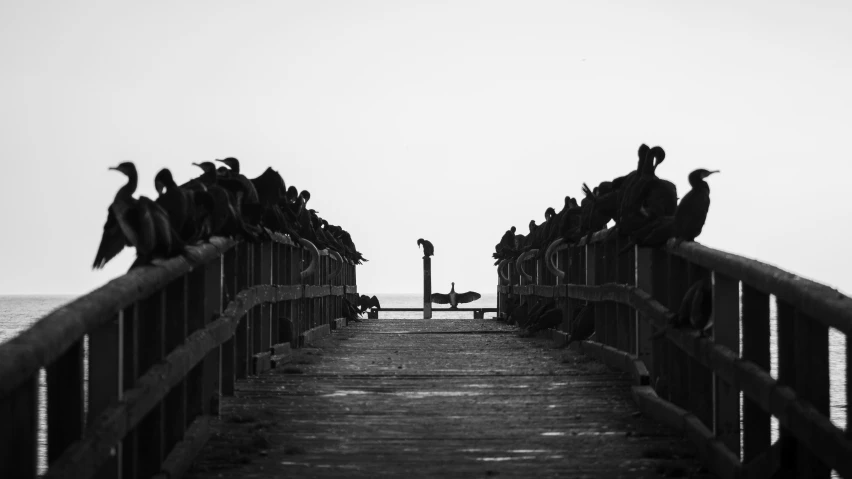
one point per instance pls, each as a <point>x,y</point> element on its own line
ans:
<point>711,172</point>
<point>196,164</point>
<point>220,161</point>
<point>114,168</point>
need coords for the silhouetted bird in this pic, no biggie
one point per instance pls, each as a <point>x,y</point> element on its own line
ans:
<point>374,303</point>
<point>583,325</point>
<point>428,249</point>
<point>176,203</point>
<point>453,298</point>
<point>692,211</point>
<point>120,215</point>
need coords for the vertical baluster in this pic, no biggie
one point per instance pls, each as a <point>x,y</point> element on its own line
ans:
<point>106,370</point>
<point>726,332</point>
<point>212,312</point>
<point>594,267</point>
<point>649,277</point>
<point>757,435</point>
<point>610,276</point>
<point>274,322</point>
<point>265,309</point>
<point>241,334</point>
<point>18,437</point>
<point>256,313</point>
<point>625,319</point>
<point>64,401</point>
<point>786,376</point>
<point>699,378</point>
<point>174,404</point>
<point>812,384</point>
<point>151,318</point>
<point>230,287</point>
<point>131,345</point>
<point>678,360</point>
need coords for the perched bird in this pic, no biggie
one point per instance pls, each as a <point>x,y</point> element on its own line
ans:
<point>583,325</point>
<point>176,203</point>
<point>453,298</point>
<point>696,309</point>
<point>117,232</point>
<point>691,213</point>
<point>374,303</point>
<point>428,249</point>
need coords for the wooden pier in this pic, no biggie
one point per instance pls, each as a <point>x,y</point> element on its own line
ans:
<point>443,398</point>
<point>248,340</point>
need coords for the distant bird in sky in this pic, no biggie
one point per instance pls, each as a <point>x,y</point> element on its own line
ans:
<point>428,249</point>
<point>453,298</point>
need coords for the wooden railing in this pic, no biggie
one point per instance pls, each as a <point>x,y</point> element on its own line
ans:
<point>694,382</point>
<point>135,369</point>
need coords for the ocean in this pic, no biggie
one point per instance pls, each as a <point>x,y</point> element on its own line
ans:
<point>18,312</point>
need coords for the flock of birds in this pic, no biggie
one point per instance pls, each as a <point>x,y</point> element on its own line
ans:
<point>644,207</point>
<point>219,202</point>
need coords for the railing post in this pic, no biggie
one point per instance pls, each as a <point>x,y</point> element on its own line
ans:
<point>64,401</point>
<point>274,320</point>
<point>812,385</point>
<point>256,313</point>
<point>131,345</point>
<point>427,287</point>
<point>699,382</point>
<point>646,268</point>
<point>174,404</point>
<point>18,438</point>
<point>241,335</point>
<point>757,433</point>
<point>726,332</point>
<point>678,360</point>
<point>786,317</point>
<point>106,370</point>
<point>625,319</point>
<point>230,285</point>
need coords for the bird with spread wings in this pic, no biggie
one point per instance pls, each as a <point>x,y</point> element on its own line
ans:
<point>453,298</point>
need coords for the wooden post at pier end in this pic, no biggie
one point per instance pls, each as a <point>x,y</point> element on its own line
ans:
<point>427,287</point>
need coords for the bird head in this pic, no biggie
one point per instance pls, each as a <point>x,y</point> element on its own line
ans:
<point>127,168</point>
<point>643,152</point>
<point>233,164</point>
<point>549,213</point>
<point>163,178</point>
<point>659,154</point>
<point>206,166</point>
<point>699,175</point>
<point>292,193</point>
<point>420,242</point>
<point>305,195</point>
<point>513,229</point>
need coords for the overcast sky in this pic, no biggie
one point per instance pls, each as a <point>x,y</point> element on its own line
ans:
<point>450,121</point>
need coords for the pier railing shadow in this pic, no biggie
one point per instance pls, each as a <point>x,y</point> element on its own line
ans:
<point>135,369</point>
<point>693,381</point>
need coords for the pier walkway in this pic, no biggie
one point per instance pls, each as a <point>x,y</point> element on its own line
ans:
<point>439,398</point>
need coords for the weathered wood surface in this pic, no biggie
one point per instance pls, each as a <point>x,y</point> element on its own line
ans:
<point>405,398</point>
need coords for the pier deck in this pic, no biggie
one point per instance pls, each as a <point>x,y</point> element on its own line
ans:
<point>439,398</point>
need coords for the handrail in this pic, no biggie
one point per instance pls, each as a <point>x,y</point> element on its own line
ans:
<point>48,338</point>
<point>695,386</point>
<point>152,330</point>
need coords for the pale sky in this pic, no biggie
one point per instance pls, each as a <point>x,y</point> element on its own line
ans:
<point>450,121</point>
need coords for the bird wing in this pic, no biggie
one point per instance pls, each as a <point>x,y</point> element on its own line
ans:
<point>440,298</point>
<point>112,241</point>
<point>374,303</point>
<point>468,297</point>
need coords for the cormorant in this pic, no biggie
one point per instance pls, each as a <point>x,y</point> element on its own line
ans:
<point>374,303</point>
<point>584,324</point>
<point>691,213</point>
<point>116,233</point>
<point>242,186</point>
<point>453,298</point>
<point>428,249</point>
<point>176,203</point>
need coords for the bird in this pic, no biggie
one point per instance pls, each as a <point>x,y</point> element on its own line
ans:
<point>453,298</point>
<point>374,303</point>
<point>584,324</point>
<point>116,233</point>
<point>696,309</point>
<point>691,213</point>
<point>428,249</point>
<point>175,202</point>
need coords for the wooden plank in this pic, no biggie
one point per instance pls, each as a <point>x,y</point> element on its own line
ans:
<point>678,364</point>
<point>18,438</point>
<point>230,287</point>
<point>314,334</point>
<point>726,332</point>
<point>42,343</point>
<point>212,311</point>
<point>130,351</point>
<point>755,319</point>
<point>64,401</point>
